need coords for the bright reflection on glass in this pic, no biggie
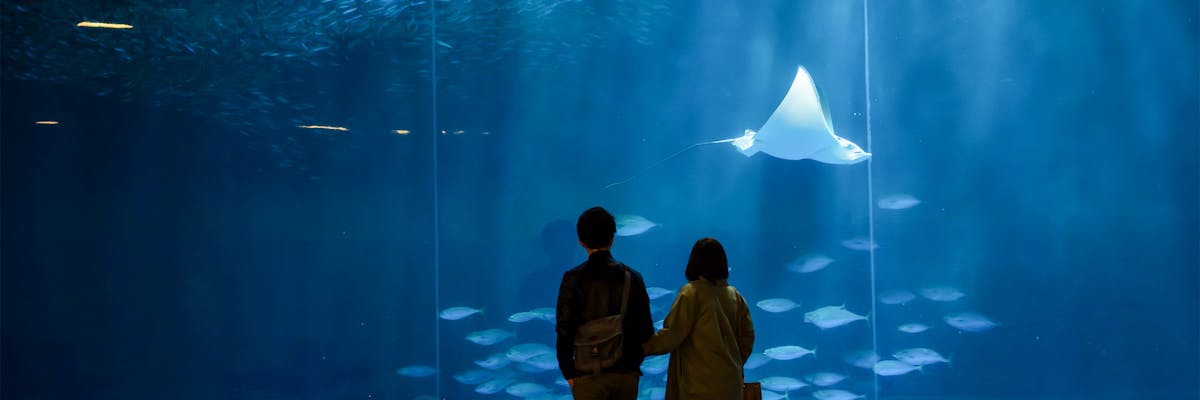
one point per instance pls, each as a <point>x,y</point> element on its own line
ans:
<point>89,24</point>
<point>325,127</point>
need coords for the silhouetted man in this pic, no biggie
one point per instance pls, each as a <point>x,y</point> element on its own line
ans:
<point>594,290</point>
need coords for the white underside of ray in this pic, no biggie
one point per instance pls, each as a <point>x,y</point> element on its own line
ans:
<point>800,129</point>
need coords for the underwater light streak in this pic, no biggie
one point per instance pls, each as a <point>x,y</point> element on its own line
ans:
<point>870,191</point>
<point>400,131</point>
<point>46,123</point>
<point>325,127</point>
<point>89,24</point>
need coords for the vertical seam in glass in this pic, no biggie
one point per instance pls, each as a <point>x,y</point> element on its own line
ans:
<point>870,195</point>
<point>437,323</point>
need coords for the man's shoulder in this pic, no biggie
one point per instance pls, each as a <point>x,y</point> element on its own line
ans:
<point>632,271</point>
<point>576,269</point>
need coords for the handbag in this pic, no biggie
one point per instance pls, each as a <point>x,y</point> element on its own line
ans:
<point>752,391</point>
<point>598,342</point>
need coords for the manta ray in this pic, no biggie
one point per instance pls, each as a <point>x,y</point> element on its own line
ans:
<point>800,128</point>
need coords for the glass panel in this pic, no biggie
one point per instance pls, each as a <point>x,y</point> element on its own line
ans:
<point>544,106</point>
<point>223,209</point>
<point>323,199</point>
<point>1052,149</point>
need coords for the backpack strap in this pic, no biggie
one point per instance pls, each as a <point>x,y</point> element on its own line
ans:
<point>625,295</point>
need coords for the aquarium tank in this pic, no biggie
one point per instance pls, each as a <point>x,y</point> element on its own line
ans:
<point>376,199</point>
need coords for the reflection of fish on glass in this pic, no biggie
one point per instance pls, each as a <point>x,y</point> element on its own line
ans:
<point>630,225</point>
<point>899,201</point>
<point>800,128</point>
<point>809,263</point>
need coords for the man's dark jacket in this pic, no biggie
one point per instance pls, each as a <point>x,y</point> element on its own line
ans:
<point>593,290</point>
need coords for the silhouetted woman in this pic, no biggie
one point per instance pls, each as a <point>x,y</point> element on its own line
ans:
<point>708,330</point>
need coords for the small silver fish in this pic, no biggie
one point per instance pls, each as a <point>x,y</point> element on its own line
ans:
<point>416,371</point>
<point>493,386</point>
<point>494,361</point>
<point>489,337</point>
<point>920,356</point>
<point>525,351</point>
<point>970,322</point>
<point>769,395</point>
<point>543,362</point>
<point>524,316</point>
<point>776,305</point>
<point>526,389</point>
<point>831,316</point>
<point>913,327</point>
<point>824,378</point>
<point>862,359</point>
<point>942,293</point>
<point>756,360</point>
<point>655,292</point>
<point>836,394</point>
<point>474,376</point>
<point>788,352</point>
<point>457,313</point>
<point>781,383</point>
<point>893,368</point>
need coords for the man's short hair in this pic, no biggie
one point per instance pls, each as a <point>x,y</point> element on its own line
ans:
<point>707,260</point>
<point>596,228</point>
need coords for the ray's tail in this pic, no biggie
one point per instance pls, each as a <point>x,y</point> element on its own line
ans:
<point>673,155</point>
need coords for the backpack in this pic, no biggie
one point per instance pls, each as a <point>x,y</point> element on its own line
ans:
<point>598,342</point>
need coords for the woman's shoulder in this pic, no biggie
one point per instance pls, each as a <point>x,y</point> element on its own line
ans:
<point>689,288</point>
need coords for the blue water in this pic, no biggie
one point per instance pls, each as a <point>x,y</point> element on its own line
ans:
<point>178,235</point>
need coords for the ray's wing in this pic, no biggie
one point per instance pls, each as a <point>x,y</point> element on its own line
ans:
<point>799,127</point>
